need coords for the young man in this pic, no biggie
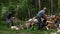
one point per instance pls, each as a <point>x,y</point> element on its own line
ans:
<point>41,14</point>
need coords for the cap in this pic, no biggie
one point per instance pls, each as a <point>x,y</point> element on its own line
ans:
<point>44,8</point>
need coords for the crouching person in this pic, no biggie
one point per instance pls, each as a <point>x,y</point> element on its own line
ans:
<point>41,14</point>
<point>8,19</point>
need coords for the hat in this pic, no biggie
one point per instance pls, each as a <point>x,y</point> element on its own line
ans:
<point>44,8</point>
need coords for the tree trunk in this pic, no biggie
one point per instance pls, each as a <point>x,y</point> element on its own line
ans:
<point>39,4</point>
<point>28,11</point>
<point>51,7</point>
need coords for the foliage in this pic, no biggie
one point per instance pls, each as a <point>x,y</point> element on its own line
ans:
<point>26,8</point>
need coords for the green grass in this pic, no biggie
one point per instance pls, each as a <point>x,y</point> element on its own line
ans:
<point>33,30</point>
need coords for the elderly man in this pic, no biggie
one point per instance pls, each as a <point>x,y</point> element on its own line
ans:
<point>41,14</point>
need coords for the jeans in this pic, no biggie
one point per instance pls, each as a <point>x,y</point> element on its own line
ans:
<point>9,22</point>
<point>40,23</point>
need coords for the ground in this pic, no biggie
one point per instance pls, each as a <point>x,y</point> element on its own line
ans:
<point>6,30</point>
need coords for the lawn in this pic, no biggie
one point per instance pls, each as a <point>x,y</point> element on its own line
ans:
<point>6,30</point>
